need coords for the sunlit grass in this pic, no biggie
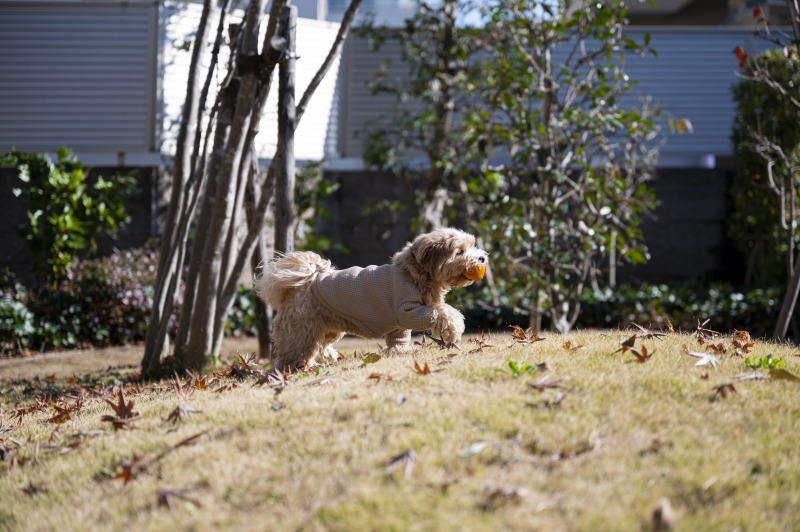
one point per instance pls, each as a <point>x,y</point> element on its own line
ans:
<point>590,439</point>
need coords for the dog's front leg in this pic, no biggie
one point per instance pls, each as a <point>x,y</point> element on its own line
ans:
<point>448,324</point>
<point>399,340</point>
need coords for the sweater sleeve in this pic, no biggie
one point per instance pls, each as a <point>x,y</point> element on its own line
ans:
<point>416,316</point>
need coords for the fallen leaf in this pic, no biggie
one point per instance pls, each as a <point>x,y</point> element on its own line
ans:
<point>626,344</point>
<point>482,341</point>
<point>724,390</point>
<point>122,409</point>
<point>569,347</point>
<point>165,497</point>
<point>371,358</point>
<point>441,343</point>
<point>642,355</point>
<point>380,377</point>
<point>131,469</point>
<point>506,493</point>
<point>405,459</point>
<point>547,382</point>
<point>423,370</point>
<point>319,382</point>
<point>525,336</point>
<point>473,448</point>
<point>705,358</point>
<point>647,333</point>
<point>752,376</point>
<point>656,445</point>
<point>782,375</point>
<point>180,412</point>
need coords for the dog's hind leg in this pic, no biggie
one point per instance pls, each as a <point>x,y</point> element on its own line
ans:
<point>296,342</point>
<point>329,354</point>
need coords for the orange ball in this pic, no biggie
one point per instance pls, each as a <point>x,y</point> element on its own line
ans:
<point>475,273</point>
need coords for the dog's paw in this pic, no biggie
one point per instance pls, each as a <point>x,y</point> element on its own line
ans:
<point>448,324</point>
<point>329,354</point>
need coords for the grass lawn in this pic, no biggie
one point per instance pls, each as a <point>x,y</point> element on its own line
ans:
<point>567,433</point>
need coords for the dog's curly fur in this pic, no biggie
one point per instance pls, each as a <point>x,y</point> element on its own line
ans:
<point>305,328</point>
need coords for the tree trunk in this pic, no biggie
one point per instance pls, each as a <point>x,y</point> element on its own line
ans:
<point>284,186</point>
<point>172,245</point>
<point>222,242</point>
<point>216,234</point>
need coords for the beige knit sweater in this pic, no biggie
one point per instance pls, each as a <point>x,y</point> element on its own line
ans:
<point>378,299</point>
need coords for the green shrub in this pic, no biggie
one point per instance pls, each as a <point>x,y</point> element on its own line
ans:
<point>105,302</point>
<point>725,307</point>
<point>67,210</point>
<point>16,320</point>
<point>755,221</point>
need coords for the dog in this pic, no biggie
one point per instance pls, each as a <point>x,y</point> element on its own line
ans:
<point>317,304</point>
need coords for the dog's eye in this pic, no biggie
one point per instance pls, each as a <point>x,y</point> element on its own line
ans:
<point>460,252</point>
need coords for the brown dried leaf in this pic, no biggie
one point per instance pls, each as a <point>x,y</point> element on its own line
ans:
<point>380,377</point>
<point>642,355</point>
<point>569,347</point>
<point>626,344</point>
<point>724,390</point>
<point>704,334</point>
<point>122,409</point>
<point>131,469</point>
<point>421,370</point>
<point>180,412</point>
<point>525,336</point>
<point>482,342</point>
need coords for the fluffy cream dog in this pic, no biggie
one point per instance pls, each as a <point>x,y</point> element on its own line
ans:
<point>317,304</point>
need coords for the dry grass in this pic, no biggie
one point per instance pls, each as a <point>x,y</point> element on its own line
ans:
<point>468,446</point>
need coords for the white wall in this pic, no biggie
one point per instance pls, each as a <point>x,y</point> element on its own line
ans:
<point>314,39</point>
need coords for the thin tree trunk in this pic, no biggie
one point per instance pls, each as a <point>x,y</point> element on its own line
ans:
<point>284,186</point>
<point>217,260</point>
<point>203,323</point>
<point>172,251</point>
<point>789,303</point>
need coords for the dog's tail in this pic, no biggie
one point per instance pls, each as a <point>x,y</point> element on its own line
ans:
<point>282,277</point>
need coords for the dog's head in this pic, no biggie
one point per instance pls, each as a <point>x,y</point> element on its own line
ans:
<point>445,257</point>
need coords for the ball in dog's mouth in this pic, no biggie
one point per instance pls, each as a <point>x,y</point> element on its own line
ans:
<point>475,272</point>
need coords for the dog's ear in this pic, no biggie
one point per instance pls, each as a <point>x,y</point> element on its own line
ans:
<point>431,254</point>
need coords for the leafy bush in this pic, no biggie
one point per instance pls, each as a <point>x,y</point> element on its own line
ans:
<point>725,307</point>
<point>242,317</point>
<point>67,210</point>
<point>102,302</point>
<point>16,321</point>
<point>763,116</point>
<point>105,302</point>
